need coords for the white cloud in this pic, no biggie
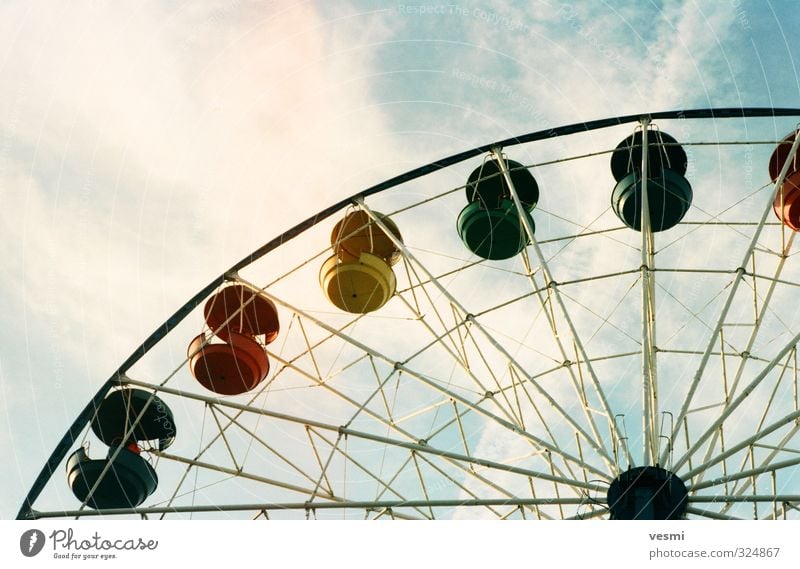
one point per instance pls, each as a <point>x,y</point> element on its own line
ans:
<point>144,150</point>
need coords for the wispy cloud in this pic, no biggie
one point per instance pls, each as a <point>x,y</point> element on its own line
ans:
<point>144,150</point>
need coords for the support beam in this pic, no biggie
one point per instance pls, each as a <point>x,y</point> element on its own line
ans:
<point>782,422</point>
<point>751,498</point>
<point>372,506</point>
<point>745,474</point>
<point>553,285</point>
<point>539,443</point>
<point>740,272</point>
<point>649,384</point>
<point>346,431</point>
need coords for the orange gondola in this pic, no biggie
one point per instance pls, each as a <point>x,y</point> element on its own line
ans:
<point>787,198</point>
<point>231,368</point>
<point>244,310</point>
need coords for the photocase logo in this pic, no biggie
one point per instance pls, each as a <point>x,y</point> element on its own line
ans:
<point>31,542</point>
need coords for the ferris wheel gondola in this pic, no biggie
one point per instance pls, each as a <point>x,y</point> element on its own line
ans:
<point>631,356</point>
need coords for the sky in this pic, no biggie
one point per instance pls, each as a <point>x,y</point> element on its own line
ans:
<point>146,147</point>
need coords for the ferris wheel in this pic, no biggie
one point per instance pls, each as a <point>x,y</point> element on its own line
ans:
<point>597,320</point>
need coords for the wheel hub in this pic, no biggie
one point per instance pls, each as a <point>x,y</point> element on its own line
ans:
<point>647,493</point>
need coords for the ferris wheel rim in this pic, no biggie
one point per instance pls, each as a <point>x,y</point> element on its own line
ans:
<point>118,378</point>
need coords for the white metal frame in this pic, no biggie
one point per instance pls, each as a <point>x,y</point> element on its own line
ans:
<point>576,468</point>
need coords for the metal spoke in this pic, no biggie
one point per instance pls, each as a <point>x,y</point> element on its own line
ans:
<point>740,271</point>
<point>372,506</point>
<point>553,285</point>
<point>707,514</point>
<point>419,447</point>
<point>536,441</point>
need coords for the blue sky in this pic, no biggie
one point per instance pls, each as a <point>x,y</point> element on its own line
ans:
<point>145,148</point>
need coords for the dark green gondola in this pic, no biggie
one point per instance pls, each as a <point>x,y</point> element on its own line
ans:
<point>490,225</point>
